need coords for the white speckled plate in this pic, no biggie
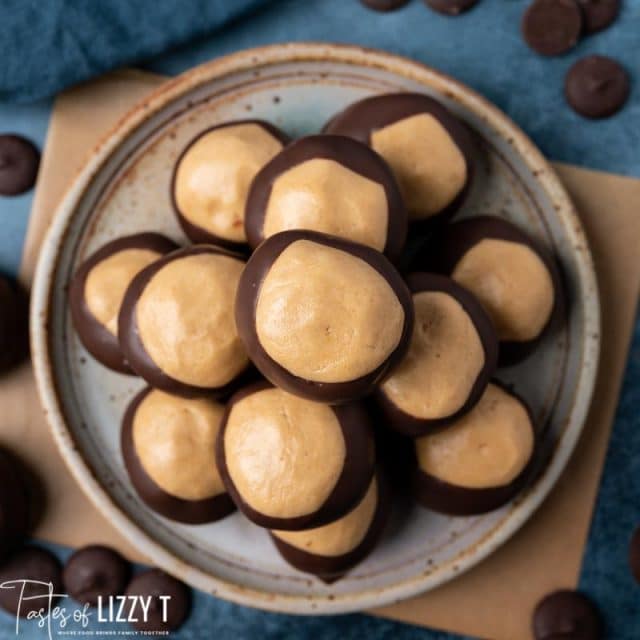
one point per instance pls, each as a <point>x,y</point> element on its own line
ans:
<point>124,188</point>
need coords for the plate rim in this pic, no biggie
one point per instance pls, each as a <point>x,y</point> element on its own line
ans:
<point>48,263</point>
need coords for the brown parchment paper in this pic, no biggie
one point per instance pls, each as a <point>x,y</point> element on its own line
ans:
<point>495,599</point>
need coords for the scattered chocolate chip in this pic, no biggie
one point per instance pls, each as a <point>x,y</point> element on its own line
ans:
<point>451,7</point>
<point>20,595</point>
<point>598,14</point>
<point>384,5</point>
<point>597,87</point>
<point>14,307</point>
<point>634,555</point>
<point>19,161</point>
<point>165,613</point>
<point>552,27</point>
<point>566,614</point>
<point>95,571</point>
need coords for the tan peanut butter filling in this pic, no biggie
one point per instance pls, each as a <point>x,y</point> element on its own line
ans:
<point>488,447</point>
<point>324,195</point>
<point>107,283</point>
<point>326,315</point>
<point>174,439</point>
<point>512,283</point>
<point>185,319</point>
<point>429,166</point>
<point>213,178</point>
<point>444,360</point>
<point>284,454</point>
<point>341,536</point>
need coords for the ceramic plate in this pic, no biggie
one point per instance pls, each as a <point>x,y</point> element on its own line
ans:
<point>124,188</point>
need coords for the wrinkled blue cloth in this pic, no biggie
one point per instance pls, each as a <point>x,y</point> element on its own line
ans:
<point>50,44</point>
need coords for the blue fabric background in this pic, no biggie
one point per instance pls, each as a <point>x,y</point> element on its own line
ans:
<point>49,44</point>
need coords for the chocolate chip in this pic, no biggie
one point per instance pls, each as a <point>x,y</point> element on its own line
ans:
<point>20,595</point>
<point>566,615</point>
<point>19,161</point>
<point>451,7</point>
<point>165,614</point>
<point>599,14</point>
<point>14,342</point>
<point>597,87</point>
<point>95,571</point>
<point>552,27</point>
<point>634,555</point>
<point>384,5</point>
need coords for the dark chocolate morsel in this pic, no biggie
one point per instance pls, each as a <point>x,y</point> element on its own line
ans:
<point>331,568</point>
<point>599,14</point>
<point>352,484</point>
<point>634,555</point>
<point>444,497</point>
<point>384,5</point>
<point>552,27</point>
<point>448,248</point>
<point>95,337</point>
<point>194,232</point>
<point>251,280</point>
<point>15,503</point>
<point>411,425</point>
<point>347,152</point>
<point>25,569</point>
<point>14,324</point>
<point>172,507</point>
<point>165,613</point>
<point>19,162</point>
<point>597,87</point>
<point>451,7</point>
<point>361,119</point>
<point>567,614</point>
<point>93,572</point>
<point>131,342</point>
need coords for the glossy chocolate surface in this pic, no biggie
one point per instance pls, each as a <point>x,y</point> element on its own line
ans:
<point>413,426</point>
<point>95,337</point>
<point>194,232</point>
<point>255,272</point>
<point>172,507</point>
<point>361,119</point>
<point>351,154</point>
<point>352,484</point>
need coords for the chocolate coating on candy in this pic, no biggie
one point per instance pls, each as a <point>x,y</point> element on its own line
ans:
<point>19,162</point>
<point>552,27</point>
<point>451,7</point>
<point>487,457</point>
<point>384,5</point>
<point>325,319</point>
<point>235,151</point>
<point>108,272</point>
<point>634,555</point>
<point>333,185</point>
<point>186,303</point>
<point>400,126</point>
<point>296,547</point>
<point>164,614</point>
<point>93,572</point>
<point>567,614</point>
<point>458,252</point>
<point>598,14</point>
<point>34,565</point>
<point>15,512</point>
<point>190,511</point>
<point>597,87</point>
<point>321,456</point>
<point>447,307</point>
